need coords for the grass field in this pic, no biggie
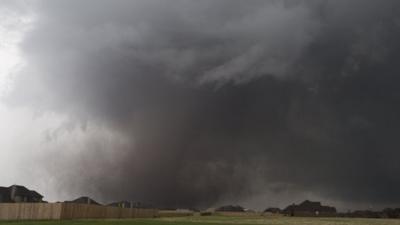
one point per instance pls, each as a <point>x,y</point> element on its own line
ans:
<point>215,220</point>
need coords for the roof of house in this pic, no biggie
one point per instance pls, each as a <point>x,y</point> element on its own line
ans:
<point>36,194</point>
<point>23,191</point>
<point>274,210</point>
<point>4,190</point>
<point>310,206</point>
<point>84,200</point>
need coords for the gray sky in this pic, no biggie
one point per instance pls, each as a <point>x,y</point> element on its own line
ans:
<point>201,103</point>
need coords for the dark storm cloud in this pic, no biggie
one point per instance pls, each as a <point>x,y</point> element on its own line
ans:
<point>217,96</point>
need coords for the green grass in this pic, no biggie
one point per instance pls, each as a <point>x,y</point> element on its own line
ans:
<point>216,220</point>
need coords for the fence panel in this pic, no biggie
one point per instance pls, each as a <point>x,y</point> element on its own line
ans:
<point>54,211</point>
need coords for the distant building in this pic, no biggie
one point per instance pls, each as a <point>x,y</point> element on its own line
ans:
<point>230,208</point>
<point>369,214</point>
<point>131,204</point>
<point>391,213</point>
<point>121,204</point>
<point>309,208</point>
<point>84,200</point>
<point>18,193</point>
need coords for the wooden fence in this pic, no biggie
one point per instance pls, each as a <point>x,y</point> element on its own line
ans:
<point>57,211</point>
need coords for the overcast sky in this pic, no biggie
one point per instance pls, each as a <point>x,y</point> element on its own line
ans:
<point>188,103</point>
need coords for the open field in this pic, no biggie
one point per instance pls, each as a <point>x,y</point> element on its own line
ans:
<point>215,220</point>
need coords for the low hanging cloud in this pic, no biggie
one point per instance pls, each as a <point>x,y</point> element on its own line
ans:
<point>194,103</point>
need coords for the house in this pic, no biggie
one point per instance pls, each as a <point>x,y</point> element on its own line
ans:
<point>121,204</point>
<point>84,200</point>
<point>273,210</point>
<point>131,204</point>
<point>368,214</point>
<point>309,208</point>
<point>18,193</point>
<point>5,195</point>
<point>230,208</point>
<point>391,213</point>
